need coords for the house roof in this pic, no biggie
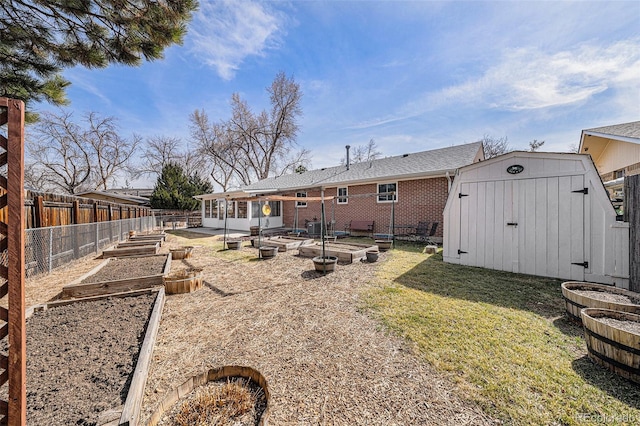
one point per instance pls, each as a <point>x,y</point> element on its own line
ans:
<point>629,132</point>
<point>431,163</point>
<point>116,198</point>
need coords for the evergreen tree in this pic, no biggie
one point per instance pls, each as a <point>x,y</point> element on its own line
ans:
<point>40,38</point>
<point>174,190</point>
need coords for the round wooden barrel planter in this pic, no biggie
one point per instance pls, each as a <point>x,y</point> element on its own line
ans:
<point>613,340</point>
<point>254,231</point>
<point>234,245</point>
<point>181,253</point>
<point>613,298</point>
<point>268,252</point>
<point>183,281</point>
<point>383,245</point>
<point>229,371</point>
<point>372,256</point>
<point>325,264</point>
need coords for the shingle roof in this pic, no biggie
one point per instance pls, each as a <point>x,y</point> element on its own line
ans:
<point>425,163</point>
<point>627,130</point>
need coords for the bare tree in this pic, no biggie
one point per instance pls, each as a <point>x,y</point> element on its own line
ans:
<point>535,145</point>
<point>61,158</point>
<point>249,146</point>
<point>158,151</point>
<point>574,148</point>
<point>494,146</point>
<point>110,152</point>
<point>65,156</point>
<point>363,153</point>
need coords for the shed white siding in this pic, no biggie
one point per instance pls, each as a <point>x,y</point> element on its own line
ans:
<point>552,219</point>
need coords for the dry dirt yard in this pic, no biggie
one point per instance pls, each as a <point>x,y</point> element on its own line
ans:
<point>327,361</point>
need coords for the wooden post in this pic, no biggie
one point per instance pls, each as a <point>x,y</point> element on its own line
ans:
<point>632,215</point>
<point>75,220</point>
<point>14,411</point>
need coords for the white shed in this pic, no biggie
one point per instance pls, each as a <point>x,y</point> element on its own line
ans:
<point>544,214</point>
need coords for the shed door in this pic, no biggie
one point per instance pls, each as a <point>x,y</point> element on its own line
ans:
<point>529,226</point>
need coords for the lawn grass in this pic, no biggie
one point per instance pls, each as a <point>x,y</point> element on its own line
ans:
<point>214,243</point>
<point>503,339</point>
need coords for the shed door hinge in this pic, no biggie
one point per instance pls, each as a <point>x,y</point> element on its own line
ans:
<point>461,252</point>
<point>460,195</point>
<point>585,191</point>
<point>584,264</point>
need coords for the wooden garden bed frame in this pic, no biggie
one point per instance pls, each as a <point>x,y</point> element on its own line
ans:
<point>343,251</point>
<point>129,413</point>
<point>287,243</point>
<point>78,289</point>
<point>149,249</point>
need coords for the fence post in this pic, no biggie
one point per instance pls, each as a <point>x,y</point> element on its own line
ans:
<point>50,249</point>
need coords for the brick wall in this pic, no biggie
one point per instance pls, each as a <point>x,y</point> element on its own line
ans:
<point>418,200</point>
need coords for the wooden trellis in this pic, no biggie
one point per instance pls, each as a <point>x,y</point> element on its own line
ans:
<point>13,368</point>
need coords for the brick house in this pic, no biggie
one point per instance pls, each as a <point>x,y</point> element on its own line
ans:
<point>417,183</point>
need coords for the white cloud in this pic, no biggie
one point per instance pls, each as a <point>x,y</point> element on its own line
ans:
<point>528,78</point>
<point>224,33</point>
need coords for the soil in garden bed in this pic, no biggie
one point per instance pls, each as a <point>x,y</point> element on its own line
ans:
<point>81,358</point>
<point>630,326</point>
<point>119,269</point>
<point>608,297</point>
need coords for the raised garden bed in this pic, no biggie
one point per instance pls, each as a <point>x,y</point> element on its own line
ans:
<point>89,358</point>
<point>136,243</point>
<point>183,281</point>
<point>179,400</point>
<point>181,252</point>
<point>613,340</point>
<point>151,248</point>
<point>579,295</point>
<point>116,275</point>
<point>348,253</point>
<point>287,243</point>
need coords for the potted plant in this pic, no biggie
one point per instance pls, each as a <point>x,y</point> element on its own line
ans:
<point>267,252</point>
<point>234,244</point>
<point>372,255</point>
<point>325,263</point>
<point>383,245</point>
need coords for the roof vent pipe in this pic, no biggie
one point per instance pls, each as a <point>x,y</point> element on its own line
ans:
<point>348,164</point>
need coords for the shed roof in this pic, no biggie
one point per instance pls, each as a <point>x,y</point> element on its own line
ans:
<point>419,164</point>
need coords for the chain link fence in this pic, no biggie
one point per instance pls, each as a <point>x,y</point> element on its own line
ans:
<point>51,247</point>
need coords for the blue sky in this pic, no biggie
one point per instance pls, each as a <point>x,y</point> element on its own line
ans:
<point>411,75</point>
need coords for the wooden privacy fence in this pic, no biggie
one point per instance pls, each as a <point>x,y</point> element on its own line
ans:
<point>46,209</point>
<point>632,215</point>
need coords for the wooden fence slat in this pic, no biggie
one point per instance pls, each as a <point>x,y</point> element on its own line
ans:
<point>632,215</point>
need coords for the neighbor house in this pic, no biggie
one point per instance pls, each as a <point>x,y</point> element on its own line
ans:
<point>615,150</point>
<point>401,190</point>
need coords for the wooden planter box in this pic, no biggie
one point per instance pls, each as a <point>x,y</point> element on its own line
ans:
<point>574,301</point>
<point>384,245</point>
<point>234,245</point>
<point>288,243</point>
<point>184,281</point>
<point>131,251</point>
<point>181,253</point>
<point>173,396</point>
<point>78,289</point>
<point>160,238</point>
<point>610,344</point>
<point>268,252</point>
<point>136,243</point>
<point>348,253</point>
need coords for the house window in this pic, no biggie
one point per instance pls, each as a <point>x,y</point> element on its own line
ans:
<point>342,195</point>
<point>618,174</point>
<point>231,209</point>
<point>275,208</point>
<point>221,208</point>
<point>384,190</point>
<point>207,208</point>
<point>301,203</point>
<point>214,209</point>
<point>242,209</point>
<point>256,209</point>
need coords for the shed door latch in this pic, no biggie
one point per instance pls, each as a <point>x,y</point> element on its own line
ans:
<point>584,264</point>
<point>460,195</point>
<point>584,191</point>
<point>461,252</point>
